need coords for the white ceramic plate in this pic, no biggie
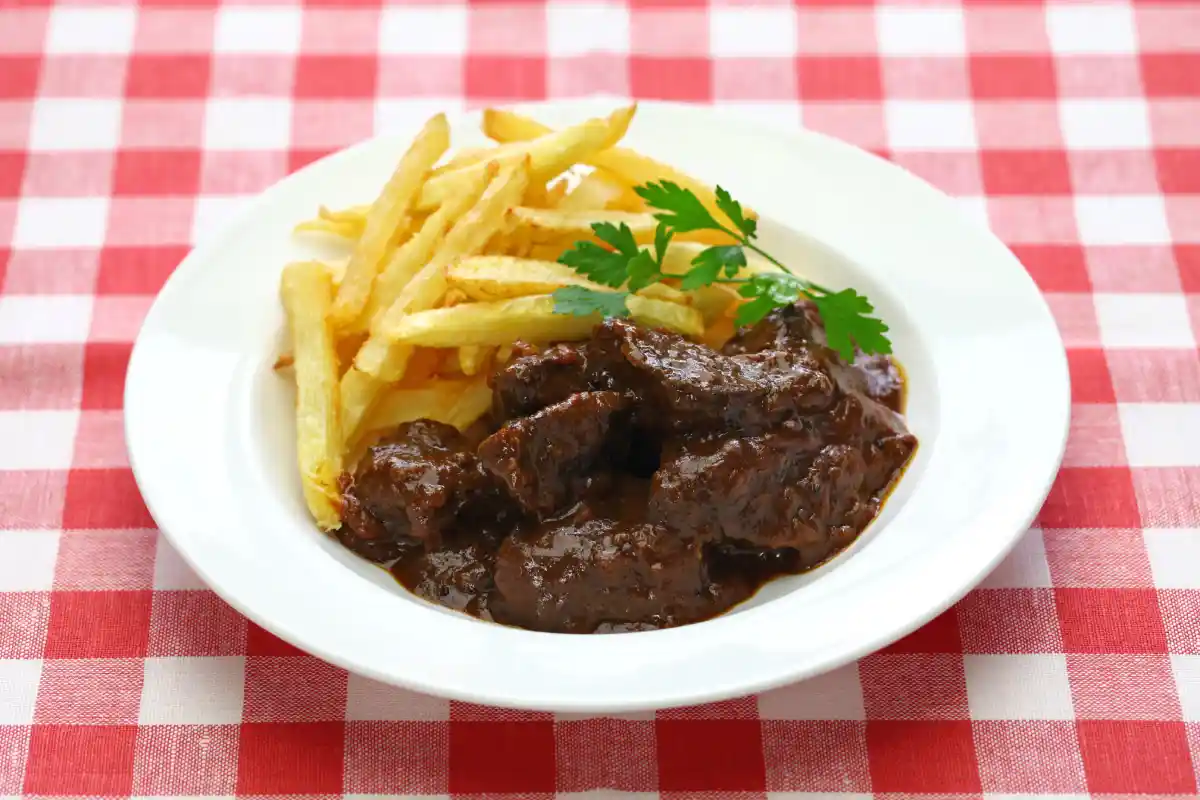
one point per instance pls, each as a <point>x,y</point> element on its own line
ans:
<point>209,428</point>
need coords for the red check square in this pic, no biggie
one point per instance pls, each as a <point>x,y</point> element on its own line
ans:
<point>496,757</point>
<point>261,642</point>
<point>927,756</point>
<point>505,77</point>
<point>176,76</point>
<point>98,625</point>
<point>323,76</point>
<point>1090,378</point>
<point>290,758</point>
<point>1111,621</point>
<point>1091,497</point>
<point>1187,256</point>
<point>104,365</point>
<point>155,172</point>
<point>137,270</point>
<point>839,78</point>
<point>104,498</point>
<point>1178,170</point>
<point>664,78</point>
<point>56,753</point>
<point>374,765</point>
<point>939,635</point>
<point>711,755</point>
<point>1000,77</point>
<point>20,76</point>
<point>1136,757</point>
<point>1171,74</point>
<point>1055,267</point>
<point>12,172</point>
<point>1025,172</point>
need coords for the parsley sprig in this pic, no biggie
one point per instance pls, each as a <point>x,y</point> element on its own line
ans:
<point>626,267</point>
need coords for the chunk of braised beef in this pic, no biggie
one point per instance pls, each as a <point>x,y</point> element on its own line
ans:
<point>458,575</point>
<point>688,386</point>
<point>782,329</point>
<point>549,459</point>
<point>534,381</point>
<point>575,578</point>
<point>415,484</point>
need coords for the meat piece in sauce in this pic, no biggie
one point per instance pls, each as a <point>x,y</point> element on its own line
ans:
<point>549,459</point>
<point>534,381</point>
<point>691,387</point>
<point>458,575</point>
<point>414,486</point>
<point>572,578</point>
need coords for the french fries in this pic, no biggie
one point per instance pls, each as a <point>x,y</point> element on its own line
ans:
<point>307,293</point>
<point>386,214</point>
<point>530,318</point>
<point>452,264</point>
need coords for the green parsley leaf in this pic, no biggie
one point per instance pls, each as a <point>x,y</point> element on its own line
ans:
<point>621,238</point>
<point>662,238</point>
<point>756,309</point>
<point>707,266</point>
<point>684,211</point>
<point>733,209</point>
<point>642,271</point>
<point>581,302</point>
<point>597,263</point>
<point>847,323</point>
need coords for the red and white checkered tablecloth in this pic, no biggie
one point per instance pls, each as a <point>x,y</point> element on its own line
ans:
<point>129,130</point>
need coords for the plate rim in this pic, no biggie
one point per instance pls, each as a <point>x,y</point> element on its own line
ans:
<point>210,248</point>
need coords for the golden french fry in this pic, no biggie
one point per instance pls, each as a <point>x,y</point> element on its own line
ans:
<point>599,190</point>
<point>712,301</point>
<point>556,192</point>
<point>386,214</point>
<point>474,401</point>
<point>475,155</point>
<point>354,215</point>
<point>307,294</point>
<point>531,318</point>
<point>342,230</point>
<point>472,358</point>
<point>630,166</point>
<point>548,155</point>
<point>680,253</point>
<point>551,223</point>
<point>381,359</point>
<point>410,257</point>
<point>502,277</point>
<point>435,400</point>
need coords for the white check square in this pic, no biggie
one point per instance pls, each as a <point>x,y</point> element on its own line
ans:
<point>1122,219</point>
<point>1143,320</point>
<point>212,212</point>
<point>834,695</point>
<point>193,691</point>
<point>1174,555</point>
<point>1101,124</point>
<point>171,571</point>
<point>244,123</point>
<point>1091,28</point>
<point>423,30</point>
<point>409,115</point>
<point>1018,686</point>
<point>932,31</point>
<point>37,439</point>
<point>76,123</point>
<point>19,679</point>
<point>783,116</point>
<point>1161,435</point>
<point>929,125</point>
<point>1187,679</point>
<point>44,318</point>
<point>1025,567</point>
<point>254,29</point>
<point>61,222</point>
<point>90,30</point>
<point>371,700</point>
<point>27,561</point>
<point>753,32</point>
<point>576,29</point>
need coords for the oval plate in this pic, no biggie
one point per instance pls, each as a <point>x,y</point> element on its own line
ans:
<point>209,428</point>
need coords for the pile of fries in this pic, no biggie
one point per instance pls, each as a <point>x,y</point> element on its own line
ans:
<point>450,266</point>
